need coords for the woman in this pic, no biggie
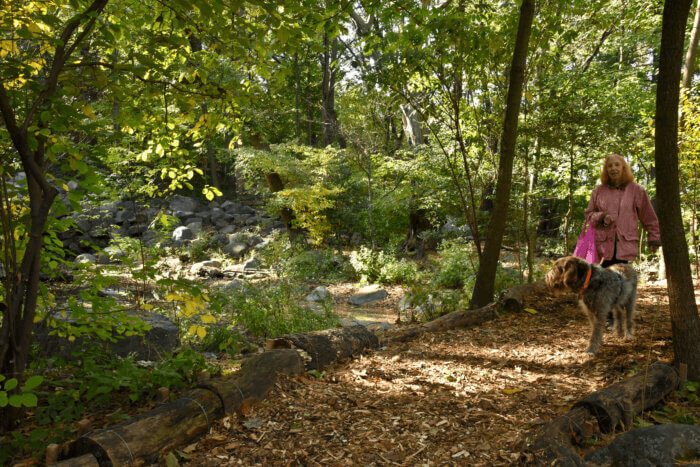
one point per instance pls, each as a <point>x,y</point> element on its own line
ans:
<point>616,206</point>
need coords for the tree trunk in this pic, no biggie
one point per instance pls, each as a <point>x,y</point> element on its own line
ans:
<point>685,323</point>
<point>328,346</point>
<point>454,320</point>
<point>331,129</point>
<point>601,412</point>
<point>170,425</point>
<point>692,49</point>
<point>484,284</point>
<point>22,284</point>
<point>275,184</point>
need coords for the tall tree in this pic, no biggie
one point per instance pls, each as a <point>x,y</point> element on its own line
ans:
<point>29,135</point>
<point>488,262</point>
<point>685,322</point>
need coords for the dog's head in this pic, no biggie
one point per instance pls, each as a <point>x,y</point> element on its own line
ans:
<point>567,274</point>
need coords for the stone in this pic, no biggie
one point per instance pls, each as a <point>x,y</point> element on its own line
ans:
<point>197,267</point>
<point>319,294</point>
<point>658,445</point>
<point>368,294</point>
<point>109,254</point>
<point>180,203</point>
<point>236,250</point>
<point>162,338</point>
<point>85,258</point>
<point>182,233</point>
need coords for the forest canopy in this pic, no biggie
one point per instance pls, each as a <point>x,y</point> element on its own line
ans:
<point>371,126</point>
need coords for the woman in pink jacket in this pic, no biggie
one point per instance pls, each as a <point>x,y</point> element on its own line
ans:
<point>617,206</point>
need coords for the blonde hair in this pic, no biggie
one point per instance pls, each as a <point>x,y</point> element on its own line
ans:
<point>627,176</point>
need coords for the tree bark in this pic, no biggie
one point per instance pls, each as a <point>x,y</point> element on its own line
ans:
<point>170,425</point>
<point>692,50</point>
<point>488,263</point>
<point>685,323</point>
<point>600,412</point>
<point>454,320</point>
<point>331,345</point>
<point>275,184</point>
<point>331,129</point>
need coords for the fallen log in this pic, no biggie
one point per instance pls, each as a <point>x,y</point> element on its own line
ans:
<point>512,300</point>
<point>328,346</point>
<point>145,437</point>
<point>617,404</point>
<point>454,320</point>
<point>600,412</point>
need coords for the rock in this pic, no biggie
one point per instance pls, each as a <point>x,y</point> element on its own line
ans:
<point>211,264</point>
<point>658,445</point>
<point>236,250</point>
<point>163,337</point>
<point>252,263</point>
<point>319,294</point>
<point>182,233</point>
<point>180,204</point>
<point>368,294</point>
<point>85,258</point>
<point>109,254</point>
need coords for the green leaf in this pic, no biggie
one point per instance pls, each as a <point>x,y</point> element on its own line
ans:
<point>10,384</point>
<point>32,382</point>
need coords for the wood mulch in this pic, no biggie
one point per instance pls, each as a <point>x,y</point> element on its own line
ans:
<point>462,397</point>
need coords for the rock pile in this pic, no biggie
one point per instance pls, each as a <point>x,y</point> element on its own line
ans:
<point>230,222</point>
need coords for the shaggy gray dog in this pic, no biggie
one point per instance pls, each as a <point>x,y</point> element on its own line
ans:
<point>600,291</point>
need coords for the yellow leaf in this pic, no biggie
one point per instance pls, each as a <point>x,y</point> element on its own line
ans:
<point>531,311</point>
<point>192,330</point>
<point>201,332</point>
<point>208,319</point>
<point>147,306</point>
<point>34,29</point>
<point>87,110</point>
<point>172,297</point>
<point>511,391</point>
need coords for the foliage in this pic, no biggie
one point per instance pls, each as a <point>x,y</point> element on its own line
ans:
<point>381,267</point>
<point>95,379</point>
<point>272,308</point>
<point>323,266</point>
<point>456,265</point>
<point>26,396</point>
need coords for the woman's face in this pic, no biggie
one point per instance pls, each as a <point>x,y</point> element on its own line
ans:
<point>614,167</point>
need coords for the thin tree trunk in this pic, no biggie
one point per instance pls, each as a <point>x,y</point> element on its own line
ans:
<point>297,96</point>
<point>488,263</point>
<point>685,323</point>
<point>691,52</point>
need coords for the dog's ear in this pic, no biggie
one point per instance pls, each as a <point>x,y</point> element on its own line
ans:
<point>571,272</point>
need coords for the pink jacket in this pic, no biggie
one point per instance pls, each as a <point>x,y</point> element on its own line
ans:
<point>626,205</point>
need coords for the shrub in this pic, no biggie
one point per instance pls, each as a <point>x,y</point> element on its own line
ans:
<point>456,264</point>
<point>273,308</point>
<point>380,267</point>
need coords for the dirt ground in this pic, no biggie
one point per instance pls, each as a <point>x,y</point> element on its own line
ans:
<point>463,397</point>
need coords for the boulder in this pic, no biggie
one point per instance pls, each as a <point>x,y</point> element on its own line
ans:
<point>368,294</point>
<point>162,338</point>
<point>319,294</point>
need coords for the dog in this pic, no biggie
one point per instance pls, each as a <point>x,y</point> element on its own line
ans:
<point>600,291</point>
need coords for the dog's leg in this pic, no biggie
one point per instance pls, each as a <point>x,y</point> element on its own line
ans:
<point>597,329</point>
<point>629,309</point>
<point>596,338</point>
<point>620,317</point>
